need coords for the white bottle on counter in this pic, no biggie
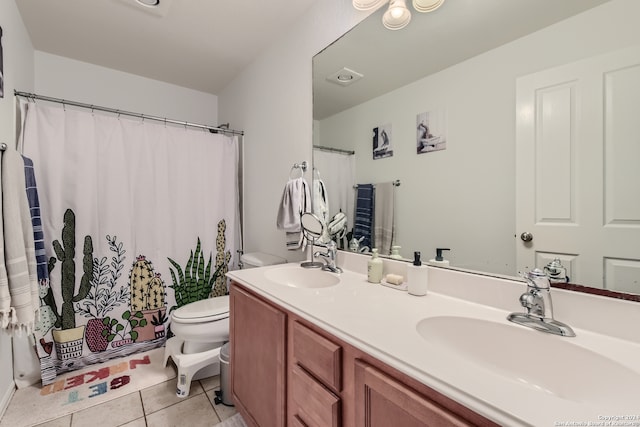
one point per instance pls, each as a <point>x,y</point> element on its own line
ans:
<point>417,276</point>
<point>374,267</point>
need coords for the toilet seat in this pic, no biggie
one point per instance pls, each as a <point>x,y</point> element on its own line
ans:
<point>206,310</point>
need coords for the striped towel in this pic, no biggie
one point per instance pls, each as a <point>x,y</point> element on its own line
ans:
<point>365,202</point>
<point>36,221</point>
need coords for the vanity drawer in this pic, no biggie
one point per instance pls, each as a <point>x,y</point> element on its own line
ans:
<point>321,357</point>
<point>314,405</point>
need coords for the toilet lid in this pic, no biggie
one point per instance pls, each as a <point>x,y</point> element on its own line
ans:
<point>205,310</point>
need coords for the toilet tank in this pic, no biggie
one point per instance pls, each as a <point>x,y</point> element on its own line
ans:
<point>260,259</point>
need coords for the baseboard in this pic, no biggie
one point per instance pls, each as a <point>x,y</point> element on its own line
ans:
<point>6,398</point>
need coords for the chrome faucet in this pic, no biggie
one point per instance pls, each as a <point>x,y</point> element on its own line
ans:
<point>329,258</point>
<point>539,307</point>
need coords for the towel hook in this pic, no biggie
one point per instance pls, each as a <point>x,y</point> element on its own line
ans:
<point>302,166</point>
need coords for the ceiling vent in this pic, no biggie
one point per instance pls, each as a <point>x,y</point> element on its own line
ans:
<point>152,7</point>
<point>344,77</point>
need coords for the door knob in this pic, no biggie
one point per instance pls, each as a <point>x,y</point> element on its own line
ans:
<point>526,236</point>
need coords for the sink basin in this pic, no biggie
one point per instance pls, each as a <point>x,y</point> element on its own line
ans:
<point>544,362</point>
<point>298,277</point>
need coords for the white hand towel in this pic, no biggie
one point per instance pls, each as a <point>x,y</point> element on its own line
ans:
<point>296,200</point>
<point>320,201</point>
<point>19,299</point>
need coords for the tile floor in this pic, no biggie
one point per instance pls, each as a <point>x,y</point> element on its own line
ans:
<point>156,406</point>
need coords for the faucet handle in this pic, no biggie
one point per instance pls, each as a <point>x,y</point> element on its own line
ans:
<point>537,279</point>
<point>527,300</point>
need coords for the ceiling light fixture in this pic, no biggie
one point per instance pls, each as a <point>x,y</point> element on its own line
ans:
<point>368,4</point>
<point>149,3</point>
<point>424,6</point>
<point>398,14</point>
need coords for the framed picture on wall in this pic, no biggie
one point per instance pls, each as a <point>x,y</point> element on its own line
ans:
<point>382,142</point>
<point>431,134</point>
<point>1,67</point>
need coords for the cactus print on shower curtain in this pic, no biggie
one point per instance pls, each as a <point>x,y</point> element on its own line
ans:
<point>147,288</point>
<point>222,262</point>
<point>199,280</point>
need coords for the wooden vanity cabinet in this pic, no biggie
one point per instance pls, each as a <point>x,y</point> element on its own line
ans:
<point>288,371</point>
<point>257,332</point>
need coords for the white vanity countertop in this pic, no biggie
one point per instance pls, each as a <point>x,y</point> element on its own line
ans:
<point>382,322</point>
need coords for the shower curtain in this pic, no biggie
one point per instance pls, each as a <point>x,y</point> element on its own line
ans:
<point>337,170</point>
<point>138,217</point>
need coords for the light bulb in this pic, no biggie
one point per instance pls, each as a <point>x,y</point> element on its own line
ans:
<point>397,16</point>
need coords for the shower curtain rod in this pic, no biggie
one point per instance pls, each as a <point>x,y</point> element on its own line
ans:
<point>334,150</point>
<point>221,128</point>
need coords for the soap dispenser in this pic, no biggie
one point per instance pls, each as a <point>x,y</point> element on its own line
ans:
<point>417,276</point>
<point>395,252</point>
<point>374,267</point>
<point>439,259</point>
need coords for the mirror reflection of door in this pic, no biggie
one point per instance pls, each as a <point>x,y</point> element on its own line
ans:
<point>578,153</point>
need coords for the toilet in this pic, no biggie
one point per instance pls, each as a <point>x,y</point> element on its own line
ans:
<point>201,328</point>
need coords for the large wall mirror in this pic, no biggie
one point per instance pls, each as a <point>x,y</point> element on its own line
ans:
<point>511,93</point>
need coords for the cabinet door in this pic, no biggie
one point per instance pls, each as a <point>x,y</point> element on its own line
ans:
<point>258,359</point>
<point>382,401</point>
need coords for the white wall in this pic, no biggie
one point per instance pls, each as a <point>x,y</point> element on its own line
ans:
<point>61,77</point>
<point>469,189</point>
<point>272,101</point>
<point>18,74</point>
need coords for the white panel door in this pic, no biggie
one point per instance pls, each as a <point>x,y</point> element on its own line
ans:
<point>578,170</point>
